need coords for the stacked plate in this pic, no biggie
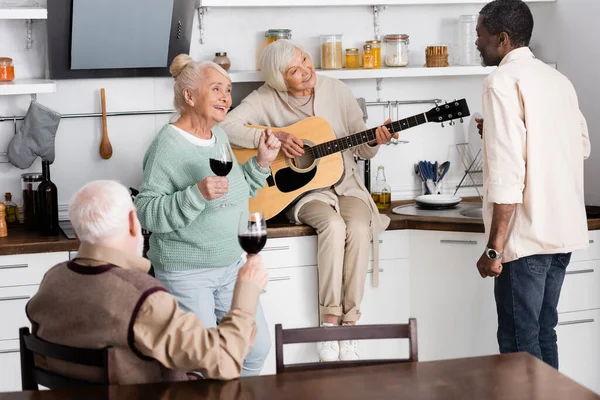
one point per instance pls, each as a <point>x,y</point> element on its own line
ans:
<point>437,201</point>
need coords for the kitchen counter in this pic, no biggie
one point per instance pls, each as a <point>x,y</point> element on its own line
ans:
<point>21,241</point>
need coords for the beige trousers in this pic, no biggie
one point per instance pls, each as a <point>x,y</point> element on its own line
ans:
<point>344,242</point>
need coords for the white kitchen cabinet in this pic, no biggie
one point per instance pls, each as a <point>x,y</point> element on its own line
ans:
<point>10,366</point>
<point>291,299</point>
<point>313,3</point>
<point>579,347</point>
<point>389,303</point>
<point>28,269</point>
<point>454,307</point>
<point>12,310</point>
<point>581,287</point>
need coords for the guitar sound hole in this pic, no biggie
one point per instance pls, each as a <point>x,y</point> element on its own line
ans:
<point>306,160</point>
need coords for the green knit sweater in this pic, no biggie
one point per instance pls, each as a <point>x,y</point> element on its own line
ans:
<point>189,231</point>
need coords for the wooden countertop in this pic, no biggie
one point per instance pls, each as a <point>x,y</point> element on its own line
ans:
<point>20,241</point>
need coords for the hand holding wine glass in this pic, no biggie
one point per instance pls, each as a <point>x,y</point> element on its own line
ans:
<point>254,272</point>
<point>252,232</point>
<point>221,163</point>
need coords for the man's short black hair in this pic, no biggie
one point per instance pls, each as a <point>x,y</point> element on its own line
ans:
<point>510,16</point>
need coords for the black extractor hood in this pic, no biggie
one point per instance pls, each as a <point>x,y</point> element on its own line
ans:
<point>117,38</point>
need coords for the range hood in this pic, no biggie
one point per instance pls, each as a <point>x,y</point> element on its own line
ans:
<point>117,38</point>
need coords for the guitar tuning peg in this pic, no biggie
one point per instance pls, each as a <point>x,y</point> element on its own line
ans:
<point>461,120</point>
<point>443,125</point>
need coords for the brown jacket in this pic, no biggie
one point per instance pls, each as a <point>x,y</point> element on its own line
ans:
<point>106,298</point>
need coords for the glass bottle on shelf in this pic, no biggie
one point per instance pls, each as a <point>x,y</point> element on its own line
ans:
<point>12,211</point>
<point>381,191</point>
<point>376,48</point>
<point>368,57</point>
<point>48,201</point>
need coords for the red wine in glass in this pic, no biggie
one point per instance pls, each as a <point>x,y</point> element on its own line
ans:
<point>252,232</point>
<point>252,243</point>
<point>219,167</point>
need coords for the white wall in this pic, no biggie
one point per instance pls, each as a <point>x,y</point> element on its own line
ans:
<point>578,58</point>
<point>239,31</point>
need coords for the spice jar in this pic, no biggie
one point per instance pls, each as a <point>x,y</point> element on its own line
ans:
<point>396,50</point>
<point>376,48</point>
<point>368,57</point>
<point>7,69</point>
<point>274,35</point>
<point>31,207</point>
<point>331,51</point>
<point>222,60</point>
<point>352,58</point>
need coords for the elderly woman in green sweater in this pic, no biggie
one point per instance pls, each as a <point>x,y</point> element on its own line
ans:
<point>194,247</point>
<point>344,216</point>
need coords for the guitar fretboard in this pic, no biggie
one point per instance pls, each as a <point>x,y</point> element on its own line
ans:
<point>350,141</point>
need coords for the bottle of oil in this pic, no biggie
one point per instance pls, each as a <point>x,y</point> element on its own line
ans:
<point>381,191</point>
<point>12,211</point>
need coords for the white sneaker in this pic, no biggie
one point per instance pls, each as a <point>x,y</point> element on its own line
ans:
<point>349,350</point>
<point>328,351</point>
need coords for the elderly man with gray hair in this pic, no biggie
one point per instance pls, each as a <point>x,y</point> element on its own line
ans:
<point>105,298</point>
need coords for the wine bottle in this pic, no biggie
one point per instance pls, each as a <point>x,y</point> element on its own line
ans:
<point>48,202</point>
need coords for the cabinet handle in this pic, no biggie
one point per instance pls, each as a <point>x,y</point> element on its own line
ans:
<point>9,351</point>
<point>579,271</point>
<point>15,298</point>
<point>275,279</point>
<point>14,266</point>
<point>276,248</point>
<point>451,241</point>
<point>577,321</point>
<point>370,271</point>
<point>591,241</point>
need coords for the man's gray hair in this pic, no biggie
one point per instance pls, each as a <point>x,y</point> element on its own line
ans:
<point>275,59</point>
<point>100,210</point>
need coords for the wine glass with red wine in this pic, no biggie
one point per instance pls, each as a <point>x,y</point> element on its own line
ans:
<point>252,233</point>
<point>221,162</point>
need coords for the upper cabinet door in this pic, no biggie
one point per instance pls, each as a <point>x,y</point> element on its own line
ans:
<point>323,3</point>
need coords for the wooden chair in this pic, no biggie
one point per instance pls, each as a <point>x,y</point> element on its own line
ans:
<point>355,332</point>
<point>32,376</point>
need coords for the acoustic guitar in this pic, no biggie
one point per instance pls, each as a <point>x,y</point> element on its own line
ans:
<point>321,165</point>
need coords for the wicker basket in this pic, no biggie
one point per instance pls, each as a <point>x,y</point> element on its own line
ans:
<point>436,56</point>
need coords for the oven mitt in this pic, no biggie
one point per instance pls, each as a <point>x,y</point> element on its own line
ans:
<point>35,138</point>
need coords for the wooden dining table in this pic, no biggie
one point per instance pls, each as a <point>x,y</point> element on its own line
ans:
<point>510,376</point>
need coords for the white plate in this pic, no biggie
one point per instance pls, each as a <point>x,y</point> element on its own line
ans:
<point>438,199</point>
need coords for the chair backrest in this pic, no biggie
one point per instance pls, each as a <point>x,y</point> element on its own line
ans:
<point>32,376</point>
<point>344,332</point>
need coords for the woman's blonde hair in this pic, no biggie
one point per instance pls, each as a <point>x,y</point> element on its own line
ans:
<point>187,73</point>
<point>274,61</point>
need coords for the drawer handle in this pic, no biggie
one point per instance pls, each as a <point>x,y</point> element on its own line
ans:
<point>276,248</point>
<point>14,266</point>
<point>9,351</point>
<point>577,321</point>
<point>10,298</point>
<point>275,279</point>
<point>370,271</point>
<point>451,241</point>
<point>579,271</point>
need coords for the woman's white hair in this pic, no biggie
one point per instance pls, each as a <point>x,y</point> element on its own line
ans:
<point>274,61</point>
<point>100,211</point>
<point>187,73</point>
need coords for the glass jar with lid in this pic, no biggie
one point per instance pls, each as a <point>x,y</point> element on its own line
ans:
<point>331,51</point>
<point>31,207</point>
<point>352,58</point>
<point>274,35</point>
<point>368,57</point>
<point>376,48</point>
<point>7,69</point>
<point>222,60</point>
<point>396,50</point>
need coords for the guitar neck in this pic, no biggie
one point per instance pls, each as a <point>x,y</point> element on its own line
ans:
<point>350,141</point>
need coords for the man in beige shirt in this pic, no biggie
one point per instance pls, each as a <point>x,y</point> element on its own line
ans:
<point>105,298</point>
<point>534,142</point>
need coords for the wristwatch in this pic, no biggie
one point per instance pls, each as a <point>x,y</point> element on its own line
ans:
<point>493,254</point>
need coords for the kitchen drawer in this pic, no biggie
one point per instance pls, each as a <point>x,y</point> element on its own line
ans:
<point>10,366</point>
<point>393,245</point>
<point>28,269</point>
<point>290,252</point>
<point>12,309</point>
<point>581,288</point>
<point>592,252</point>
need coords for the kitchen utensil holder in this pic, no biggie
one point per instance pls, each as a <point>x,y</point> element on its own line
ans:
<point>473,177</point>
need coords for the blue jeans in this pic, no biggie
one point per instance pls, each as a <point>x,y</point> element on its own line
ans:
<point>527,293</point>
<point>208,292</point>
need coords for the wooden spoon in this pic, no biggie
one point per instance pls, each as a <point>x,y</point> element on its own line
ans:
<point>105,146</point>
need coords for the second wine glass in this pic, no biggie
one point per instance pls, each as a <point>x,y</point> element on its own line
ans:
<point>252,232</point>
<point>221,163</point>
